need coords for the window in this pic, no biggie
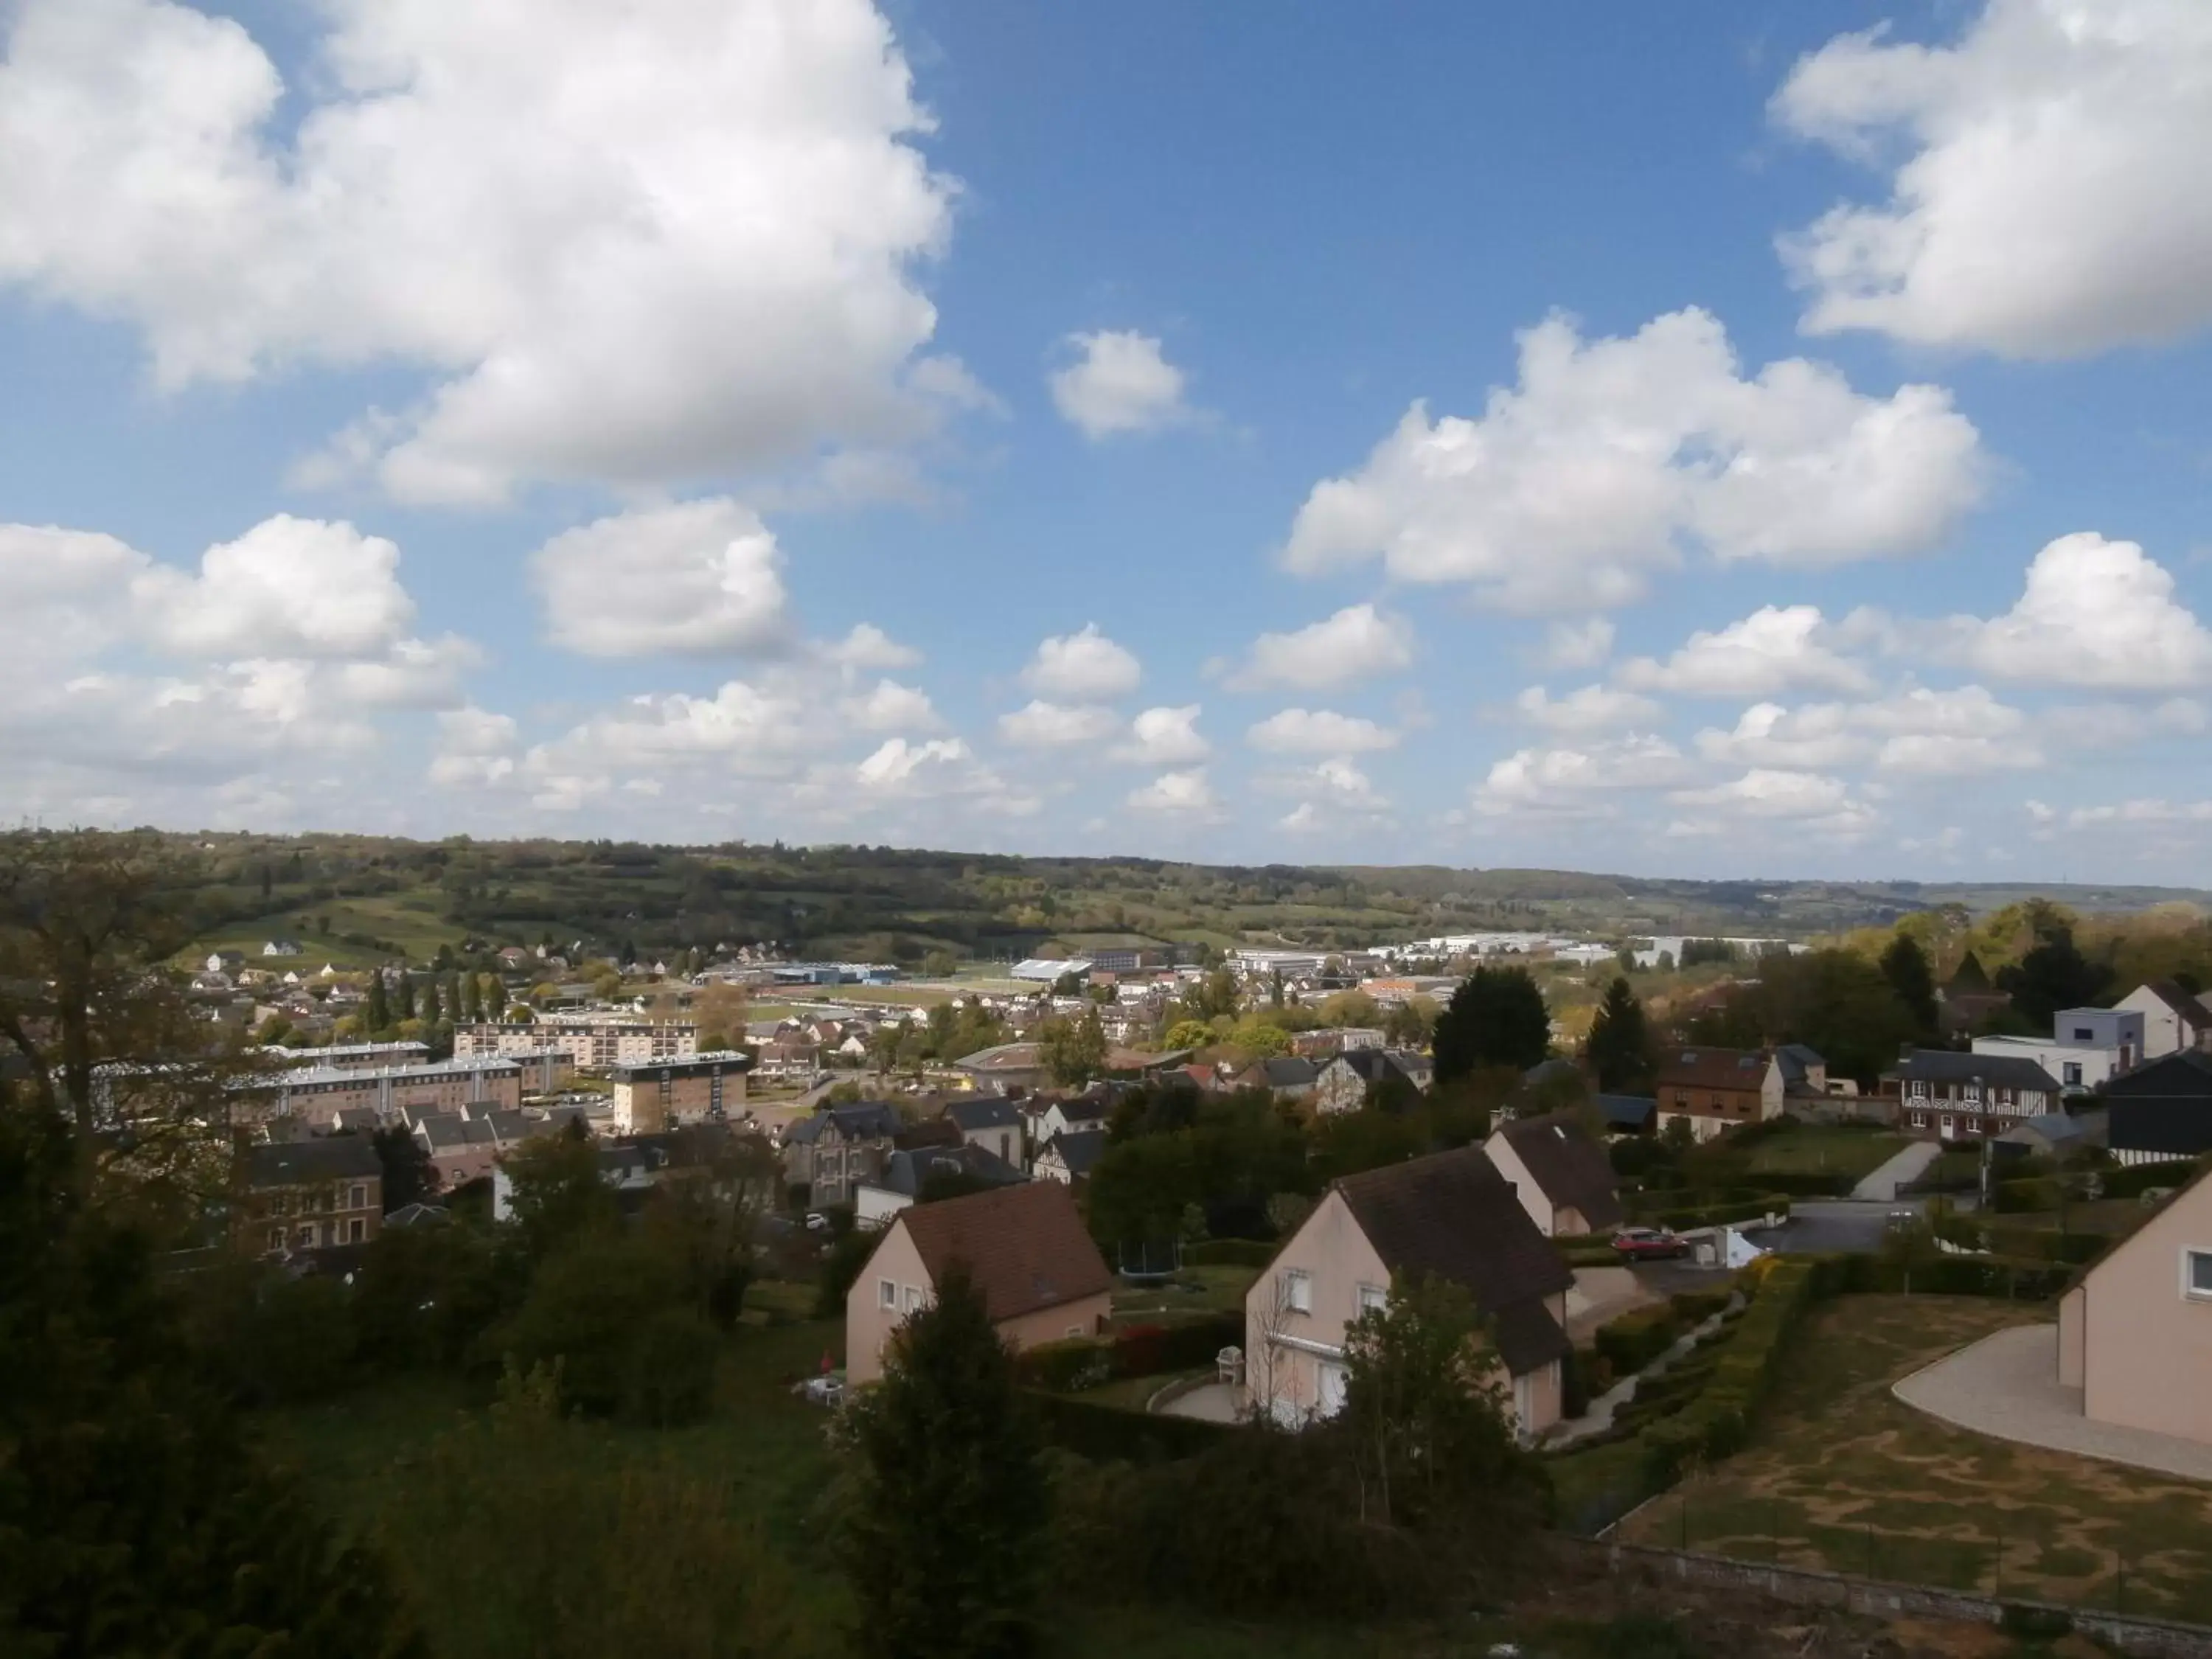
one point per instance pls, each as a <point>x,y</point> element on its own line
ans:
<point>1920,1120</point>
<point>2073,1075</point>
<point>886,1294</point>
<point>1297,1290</point>
<point>357,1197</point>
<point>1972,1094</point>
<point>356,1231</point>
<point>1920,1090</point>
<point>913,1297</point>
<point>2196,1276</point>
<point>1074,1331</point>
<point>1373,1298</point>
<point>2083,1034</point>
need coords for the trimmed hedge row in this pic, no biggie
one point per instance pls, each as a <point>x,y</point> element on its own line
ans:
<point>2133,1180</point>
<point>1714,1425</point>
<point>1110,1433</point>
<point>1807,1183</point>
<point>1721,1212</point>
<point>1086,1362</point>
<point>1632,1342</point>
<point>1950,1275</point>
<point>1229,1253</point>
<point>2027,1194</point>
<point>2023,1243</point>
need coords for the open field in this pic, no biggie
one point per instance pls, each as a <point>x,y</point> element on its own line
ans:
<point>1840,1474</point>
<point>1820,1149</point>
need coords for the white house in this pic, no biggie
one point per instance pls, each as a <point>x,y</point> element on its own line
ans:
<point>2171,1019</point>
<point>2087,1047</point>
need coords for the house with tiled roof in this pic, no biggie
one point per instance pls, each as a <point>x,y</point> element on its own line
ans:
<point>1024,1247</point>
<point>991,1121</point>
<point>1940,1094</point>
<point>908,1171</point>
<point>1069,1157</point>
<point>1562,1177</point>
<point>1714,1090</point>
<point>2172,1018</point>
<point>1451,1216</point>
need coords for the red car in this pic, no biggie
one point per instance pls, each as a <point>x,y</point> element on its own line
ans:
<point>1648,1244</point>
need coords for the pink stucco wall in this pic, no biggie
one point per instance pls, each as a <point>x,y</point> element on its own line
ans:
<point>2145,1341</point>
<point>869,1324</point>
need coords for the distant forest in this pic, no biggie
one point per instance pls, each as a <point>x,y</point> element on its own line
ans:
<point>357,897</point>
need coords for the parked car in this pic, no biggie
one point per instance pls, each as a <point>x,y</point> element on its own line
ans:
<point>1648,1244</point>
<point>816,1222</point>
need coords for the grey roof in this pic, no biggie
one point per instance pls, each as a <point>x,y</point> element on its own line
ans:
<point>861,1120</point>
<point>1287,1072</point>
<point>1078,1149</point>
<point>1625,1111</point>
<point>1452,1215</point>
<point>418,1215</point>
<point>440,1130</point>
<point>984,1112</point>
<point>1796,1059</point>
<point>908,1172</point>
<point>2165,1107</point>
<point>1948,1066</point>
<point>2055,1128</point>
<point>357,1117</point>
<point>1372,1066</point>
<point>333,1158</point>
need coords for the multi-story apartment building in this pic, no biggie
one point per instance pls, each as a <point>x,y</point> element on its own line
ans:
<point>309,1195</point>
<point>1943,1095</point>
<point>351,1054</point>
<point>831,1153</point>
<point>316,1097</point>
<point>706,1088</point>
<point>595,1042</point>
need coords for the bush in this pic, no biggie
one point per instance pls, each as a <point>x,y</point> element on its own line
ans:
<point>298,1340</point>
<point>2133,1180</point>
<point>2031,1192</point>
<point>1633,1340</point>
<point>586,1308</point>
<point>1151,1350</point>
<point>1695,1306</point>
<point>1719,1208</point>
<point>1229,1253</point>
<point>1111,1433</point>
<point>1063,1367</point>
<point>1807,1183</point>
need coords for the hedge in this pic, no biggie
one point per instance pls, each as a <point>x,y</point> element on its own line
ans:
<point>1109,1432</point>
<point>2023,1243</point>
<point>1947,1275</point>
<point>1807,1183</point>
<point>1229,1253</point>
<point>1720,1211</point>
<point>2027,1194</point>
<point>2133,1180</point>
<point>1714,1425</point>
<point>1634,1340</point>
<point>1085,1362</point>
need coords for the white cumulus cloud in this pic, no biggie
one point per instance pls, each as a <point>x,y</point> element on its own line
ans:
<point>1358,643</point>
<point>1776,649</point>
<point>695,578</point>
<point>626,244</point>
<point>1176,794</point>
<point>1562,782</point>
<point>1320,731</point>
<point>2095,613</point>
<point>1082,666</point>
<point>1120,381</point>
<point>1041,725</point>
<point>1590,708</point>
<point>1166,736</point>
<point>2047,198</point>
<point>287,588</point>
<point>1573,487</point>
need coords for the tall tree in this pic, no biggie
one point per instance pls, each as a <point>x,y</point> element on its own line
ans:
<point>433,1006</point>
<point>377,1015</point>
<point>1619,1046</point>
<point>1074,1049</point>
<point>402,1002</point>
<point>2053,976</point>
<point>1904,965</point>
<point>409,1176</point>
<point>472,998</point>
<point>947,1498</point>
<point>1496,1017</point>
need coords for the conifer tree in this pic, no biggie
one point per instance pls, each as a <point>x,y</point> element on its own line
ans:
<point>378,1014</point>
<point>432,1009</point>
<point>1619,1046</point>
<point>403,1003</point>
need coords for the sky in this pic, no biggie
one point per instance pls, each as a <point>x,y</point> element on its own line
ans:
<point>1763,440</point>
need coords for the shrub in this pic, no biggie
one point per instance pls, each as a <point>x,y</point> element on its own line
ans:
<point>1633,1340</point>
<point>1109,1432</point>
<point>1695,1306</point>
<point>586,1307</point>
<point>2133,1180</point>
<point>1151,1350</point>
<point>2029,1193</point>
<point>298,1340</point>
<point>1062,1367</point>
<point>671,1368</point>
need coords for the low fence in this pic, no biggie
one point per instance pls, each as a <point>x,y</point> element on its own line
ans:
<point>1881,1598</point>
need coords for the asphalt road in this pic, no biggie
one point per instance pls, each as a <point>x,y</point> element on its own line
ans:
<point>1819,1225</point>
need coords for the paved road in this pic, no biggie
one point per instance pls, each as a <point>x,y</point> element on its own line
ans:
<point>1818,1226</point>
<point>1908,1165</point>
<point>2007,1385</point>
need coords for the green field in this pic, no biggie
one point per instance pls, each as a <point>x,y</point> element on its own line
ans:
<point>1820,1149</point>
<point>1841,1474</point>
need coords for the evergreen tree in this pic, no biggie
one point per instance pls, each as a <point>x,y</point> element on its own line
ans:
<point>404,1004</point>
<point>433,1008</point>
<point>1904,965</point>
<point>948,1498</point>
<point>378,1014</point>
<point>2053,976</point>
<point>1496,1017</point>
<point>472,991</point>
<point>1619,1046</point>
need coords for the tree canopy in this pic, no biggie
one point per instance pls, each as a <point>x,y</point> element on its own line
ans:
<point>1496,1017</point>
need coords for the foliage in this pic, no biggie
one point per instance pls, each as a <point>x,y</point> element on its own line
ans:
<point>584,1319</point>
<point>1091,1428</point>
<point>2054,975</point>
<point>557,1196</point>
<point>422,1295</point>
<point>840,1269</point>
<point>134,1519</point>
<point>409,1176</point>
<point>1229,1253</point>
<point>1236,1152</point>
<point>1496,1017</point>
<point>1619,1046</point>
<point>1634,1340</point>
<point>536,1551</point>
<point>1073,1050</point>
<point>947,1497</point>
<point>1081,1362</point>
<point>1904,965</point>
<point>1834,1001</point>
<point>1188,1034</point>
<point>703,1214</point>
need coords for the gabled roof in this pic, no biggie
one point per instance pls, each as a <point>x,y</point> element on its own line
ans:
<point>1567,1166</point>
<point>908,1171</point>
<point>2192,1011</point>
<point>1079,1150</point>
<point>336,1157</point>
<point>1625,1111</point>
<point>861,1120</point>
<point>983,1112</point>
<point>1371,1065</point>
<point>1714,1068</point>
<point>1452,1215</point>
<point>2184,1074</point>
<point>1024,1247</point>
<point>1796,1059</point>
<point>1948,1066</point>
<point>1284,1072</point>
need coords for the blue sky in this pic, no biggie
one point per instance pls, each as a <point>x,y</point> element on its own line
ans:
<point>1631,438</point>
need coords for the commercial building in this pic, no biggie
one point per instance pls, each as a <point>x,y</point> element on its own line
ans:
<point>700,1089</point>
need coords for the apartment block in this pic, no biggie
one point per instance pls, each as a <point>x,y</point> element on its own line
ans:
<point>701,1089</point>
<point>316,1097</point>
<point>309,1195</point>
<point>593,1042</point>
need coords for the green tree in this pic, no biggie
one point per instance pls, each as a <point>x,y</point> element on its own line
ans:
<point>409,1176</point>
<point>1261,1036</point>
<point>1496,1017</point>
<point>2053,976</point>
<point>433,1008</point>
<point>947,1497</point>
<point>1619,1046</point>
<point>1073,1050</point>
<point>1904,965</point>
<point>377,1015</point>
<point>556,1193</point>
<point>1188,1033</point>
<point>403,1000</point>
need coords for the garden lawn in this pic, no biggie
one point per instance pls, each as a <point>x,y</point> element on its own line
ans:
<point>1840,1474</point>
<point>1820,1149</point>
<point>1208,1290</point>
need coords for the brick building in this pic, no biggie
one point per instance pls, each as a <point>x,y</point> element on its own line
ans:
<point>699,1089</point>
<point>309,1195</point>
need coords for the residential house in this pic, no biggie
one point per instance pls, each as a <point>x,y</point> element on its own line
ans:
<point>1007,1068</point>
<point>1940,1094</point>
<point>1286,1077</point>
<point>2135,1331</point>
<point>2161,1111</point>
<point>2080,1065</point>
<point>663,1094</point>
<point>1562,1177</point>
<point>832,1153</point>
<point>1069,1157</point>
<point>225,962</point>
<point>1713,1089</point>
<point>908,1172</point>
<point>1347,1083</point>
<point>1626,1115</point>
<point>2172,1018</point>
<point>1025,1247</point>
<point>992,1123</point>
<point>309,1195</point>
<point>283,947</point>
<point>1077,1112</point>
<point>1451,1215</point>
<point>2056,1134</point>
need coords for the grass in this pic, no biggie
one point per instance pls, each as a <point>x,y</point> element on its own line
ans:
<point>1840,1474</point>
<point>1820,1149</point>
<point>1207,1290</point>
<point>1132,1393</point>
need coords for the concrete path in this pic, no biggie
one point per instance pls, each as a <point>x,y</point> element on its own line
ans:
<point>2007,1385</point>
<point>1210,1402</point>
<point>1908,1165</point>
<point>1602,1293</point>
<point>1598,1418</point>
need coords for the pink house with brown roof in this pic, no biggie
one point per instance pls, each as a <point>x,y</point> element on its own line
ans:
<point>2135,1332</point>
